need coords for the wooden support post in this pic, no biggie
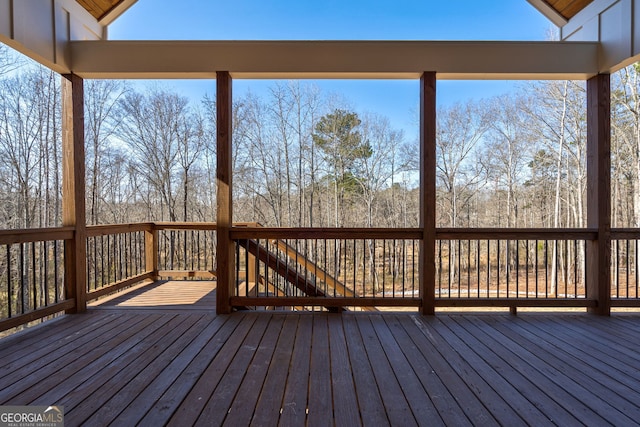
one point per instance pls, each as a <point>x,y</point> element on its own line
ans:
<point>598,280</point>
<point>151,252</point>
<point>73,191</point>
<point>225,246</point>
<point>428,191</point>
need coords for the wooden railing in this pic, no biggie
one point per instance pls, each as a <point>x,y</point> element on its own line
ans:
<point>124,254</point>
<point>185,250</point>
<point>625,261</point>
<point>380,267</point>
<point>512,268</point>
<point>32,275</point>
<point>319,267</point>
<point>339,267</point>
<point>118,256</point>
<point>32,263</point>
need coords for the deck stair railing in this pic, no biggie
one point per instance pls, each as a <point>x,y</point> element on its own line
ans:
<point>328,268</point>
<point>295,274</point>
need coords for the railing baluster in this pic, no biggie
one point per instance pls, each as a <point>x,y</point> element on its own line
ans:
<point>450,266</point>
<point>34,287</point>
<point>536,269</point>
<point>45,276</point>
<point>627,268</point>
<point>546,275</point>
<point>404,266</point>
<point>459,257</point>
<point>22,284</point>
<point>384,261</point>
<point>478,255</point>
<point>557,260</point>
<point>9,284</point>
<point>488,266</point>
<point>56,273</point>
<point>440,267</point>
<point>526,266</point>
<point>498,271</point>
<point>517,268</point>
<point>575,268</point>
<point>507,265</point>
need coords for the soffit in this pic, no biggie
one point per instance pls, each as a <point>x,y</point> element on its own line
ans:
<point>100,9</point>
<point>568,8</point>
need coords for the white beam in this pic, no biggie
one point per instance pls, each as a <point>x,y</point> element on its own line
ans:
<point>334,59</point>
<point>117,11</point>
<point>552,14</point>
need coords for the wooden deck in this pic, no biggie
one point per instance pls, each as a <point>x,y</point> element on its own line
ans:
<point>124,363</point>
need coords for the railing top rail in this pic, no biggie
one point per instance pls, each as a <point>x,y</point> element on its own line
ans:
<point>102,230</point>
<point>254,230</point>
<point>9,237</point>
<point>248,232</point>
<point>325,233</point>
<point>625,233</point>
<point>516,233</point>
<point>164,225</point>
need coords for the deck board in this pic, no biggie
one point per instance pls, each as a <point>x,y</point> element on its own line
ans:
<point>174,395</point>
<point>128,362</point>
<point>48,344</point>
<point>241,410</point>
<point>621,393</point>
<point>345,405</point>
<point>320,399</point>
<point>572,374</point>
<point>367,390</point>
<point>476,377</point>
<point>86,399</point>
<point>47,372</point>
<point>233,376</point>
<point>552,400</point>
<point>395,402</point>
<point>294,402</point>
<point>267,408</point>
<point>448,408</point>
<point>85,368</point>
<point>519,380</point>
<point>196,399</point>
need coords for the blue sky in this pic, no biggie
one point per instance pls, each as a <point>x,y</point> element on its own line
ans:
<point>331,19</point>
<point>341,20</point>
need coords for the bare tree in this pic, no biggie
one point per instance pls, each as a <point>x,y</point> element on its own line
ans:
<point>9,60</point>
<point>153,127</point>
<point>508,150</point>
<point>460,129</point>
<point>29,135</point>
<point>102,118</point>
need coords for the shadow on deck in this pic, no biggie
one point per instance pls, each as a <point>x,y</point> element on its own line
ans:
<point>124,363</point>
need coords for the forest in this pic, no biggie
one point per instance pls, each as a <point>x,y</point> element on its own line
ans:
<point>301,158</point>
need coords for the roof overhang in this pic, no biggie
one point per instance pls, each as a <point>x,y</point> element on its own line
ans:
<point>552,14</point>
<point>334,59</point>
<point>560,12</point>
<point>106,11</point>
